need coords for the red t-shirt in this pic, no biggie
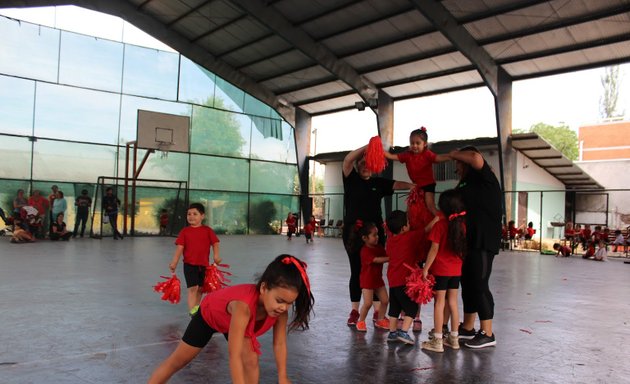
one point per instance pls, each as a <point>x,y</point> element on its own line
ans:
<point>531,231</point>
<point>308,228</point>
<point>197,242</point>
<point>164,219</point>
<point>291,223</point>
<point>371,273</point>
<point>403,248</point>
<point>40,204</point>
<point>419,166</point>
<point>213,309</point>
<point>447,262</point>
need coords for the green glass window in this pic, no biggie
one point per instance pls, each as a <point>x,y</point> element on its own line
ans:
<point>16,152</point>
<point>218,173</point>
<point>149,72</point>
<point>228,97</point>
<point>196,84</point>
<point>72,162</point>
<point>220,133</point>
<point>225,212</point>
<point>267,212</point>
<point>274,178</point>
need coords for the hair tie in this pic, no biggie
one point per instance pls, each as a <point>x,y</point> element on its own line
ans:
<point>456,215</point>
<point>358,224</point>
<point>292,260</point>
<point>423,129</point>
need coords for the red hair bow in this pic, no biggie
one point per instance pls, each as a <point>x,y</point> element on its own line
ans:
<point>301,266</point>
<point>423,129</point>
<point>358,224</point>
<point>456,215</point>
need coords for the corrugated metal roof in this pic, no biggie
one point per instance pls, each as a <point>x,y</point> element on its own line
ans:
<point>553,161</point>
<point>325,55</point>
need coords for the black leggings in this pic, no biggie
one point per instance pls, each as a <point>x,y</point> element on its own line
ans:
<point>476,293</point>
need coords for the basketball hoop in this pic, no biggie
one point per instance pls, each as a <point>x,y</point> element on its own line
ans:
<point>164,147</point>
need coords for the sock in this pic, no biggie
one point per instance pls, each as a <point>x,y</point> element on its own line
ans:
<point>454,333</point>
<point>437,335</point>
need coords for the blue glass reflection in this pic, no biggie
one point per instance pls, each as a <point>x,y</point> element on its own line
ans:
<point>16,105</point>
<point>149,72</point>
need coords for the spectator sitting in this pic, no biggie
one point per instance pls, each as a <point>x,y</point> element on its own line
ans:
<point>602,253</point>
<point>562,250</point>
<point>530,231</point>
<point>20,234</point>
<point>619,240</point>
<point>40,203</point>
<point>19,202</point>
<point>58,230</point>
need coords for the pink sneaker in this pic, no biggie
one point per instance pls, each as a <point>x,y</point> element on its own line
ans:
<point>353,318</point>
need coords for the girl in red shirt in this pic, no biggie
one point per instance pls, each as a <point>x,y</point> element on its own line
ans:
<point>194,242</point>
<point>290,225</point>
<point>244,312</point>
<point>371,278</point>
<point>445,259</point>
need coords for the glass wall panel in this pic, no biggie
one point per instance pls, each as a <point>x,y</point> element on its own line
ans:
<point>150,202</point>
<point>76,114</point>
<point>196,84</point>
<point>16,105</point>
<point>228,97</point>
<point>267,212</point>
<point>225,212</point>
<point>219,132</point>
<point>28,50</point>
<point>149,72</point>
<point>172,167</point>
<point>16,152</point>
<point>8,192</point>
<point>272,140</point>
<point>274,178</point>
<point>288,135</point>
<point>129,114</point>
<point>218,173</point>
<point>72,162</point>
<point>89,62</point>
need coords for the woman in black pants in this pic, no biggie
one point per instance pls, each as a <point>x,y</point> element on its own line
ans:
<point>482,196</point>
<point>362,201</point>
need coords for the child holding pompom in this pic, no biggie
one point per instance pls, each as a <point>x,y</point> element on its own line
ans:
<point>445,259</point>
<point>194,242</point>
<point>371,278</point>
<point>242,313</point>
<point>403,247</point>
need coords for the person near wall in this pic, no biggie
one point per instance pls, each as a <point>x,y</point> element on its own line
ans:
<point>40,203</point>
<point>83,204</point>
<point>59,231</point>
<point>19,202</point>
<point>59,205</point>
<point>110,210</point>
<point>362,201</point>
<point>482,197</point>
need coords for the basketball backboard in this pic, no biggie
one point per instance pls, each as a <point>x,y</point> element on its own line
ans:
<point>162,131</point>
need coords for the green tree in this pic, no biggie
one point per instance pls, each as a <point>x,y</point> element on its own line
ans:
<point>216,131</point>
<point>611,82</point>
<point>563,138</point>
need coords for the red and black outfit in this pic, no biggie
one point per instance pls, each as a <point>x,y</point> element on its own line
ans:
<point>196,242</point>
<point>404,248</point>
<point>447,266</point>
<point>420,169</point>
<point>371,272</point>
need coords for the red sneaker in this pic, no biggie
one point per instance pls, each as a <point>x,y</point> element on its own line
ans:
<point>361,327</point>
<point>353,318</point>
<point>382,324</point>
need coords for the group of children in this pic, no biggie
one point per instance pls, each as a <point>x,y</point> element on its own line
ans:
<point>308,230</point>
<point>594,242</point>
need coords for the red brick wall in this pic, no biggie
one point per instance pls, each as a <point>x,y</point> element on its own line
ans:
<point>607,137</point>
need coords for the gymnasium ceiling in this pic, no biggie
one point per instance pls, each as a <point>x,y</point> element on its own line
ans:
<point>324,56</point>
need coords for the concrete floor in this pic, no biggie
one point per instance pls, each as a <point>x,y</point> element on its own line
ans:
<point>84,312</point>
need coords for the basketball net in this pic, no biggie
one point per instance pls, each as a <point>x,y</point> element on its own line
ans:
<point>163,147</point>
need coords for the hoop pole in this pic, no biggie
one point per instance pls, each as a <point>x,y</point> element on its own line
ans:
<point>126,191</point>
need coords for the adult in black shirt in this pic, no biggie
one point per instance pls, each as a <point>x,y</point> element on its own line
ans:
<point>362,201</point>
<point>110,209</point>
<point>83,204</point>
<point>482,196</point>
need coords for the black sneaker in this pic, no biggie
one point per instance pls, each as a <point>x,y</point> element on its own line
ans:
<point>481,340</point>
<point>465,334</point>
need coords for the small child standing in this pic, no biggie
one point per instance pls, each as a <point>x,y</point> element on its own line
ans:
<point>371,278</point>
<point>244,312</point>
<point>419,163</point>
<point>445,259</point>
<point>194,242</point>
<point>309,228</point>
<point>290,225</point>
<point>403,247</point>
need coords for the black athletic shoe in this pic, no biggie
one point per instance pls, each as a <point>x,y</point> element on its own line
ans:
<point>465,334</point>
<point>481,340</point>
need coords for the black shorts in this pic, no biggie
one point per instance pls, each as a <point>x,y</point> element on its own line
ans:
<point>194,275</point>
<point>442,283</point>
<point>400,301</point>
<point>198,333</point>
<point>429,188</point>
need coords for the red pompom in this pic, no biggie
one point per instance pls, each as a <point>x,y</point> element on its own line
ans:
<point>170,289</point>
<point>375,156</point>
<point>215,278</point>
<point>418,289</point>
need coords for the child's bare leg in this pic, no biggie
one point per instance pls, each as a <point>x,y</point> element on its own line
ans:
<point>368,295</point>
<point>383,301</point>
<point>429,198</point>
<point>182,355</point>
<point>194,296</point>
<point>438,312</point>
<point>451,309</point>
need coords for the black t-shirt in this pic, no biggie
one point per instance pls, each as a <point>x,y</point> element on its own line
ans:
<point>362,198</point>
<point>83,203</point>
<point>482,196</point>
<point>59,228</point>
